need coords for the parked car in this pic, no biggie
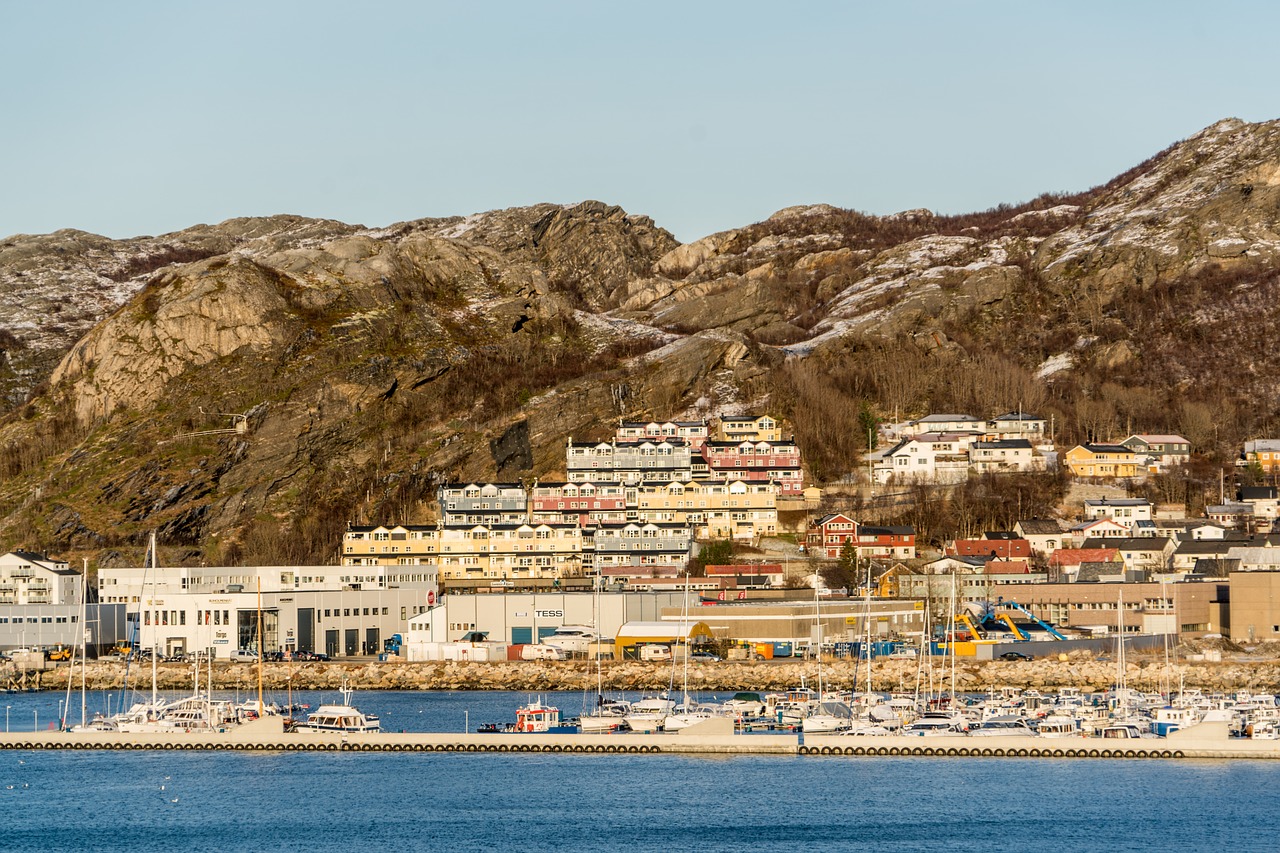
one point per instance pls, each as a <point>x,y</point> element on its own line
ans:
<point>1014,656</point>
<point>704,656</point>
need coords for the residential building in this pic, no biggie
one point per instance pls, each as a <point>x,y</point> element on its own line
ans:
<point>1064,564</point>
<point>714,509</point>
<point>776,462</point>
<point>1265,503</point>
<point>29,578</point>
<point>947,423</point>
<point>1255,559</point>
<point>629,462</point>
<point>1102,461</point>
<point>693,433</point>
<point>1000,456</point>
<point>483,503</point>
<point>1233,516</point>
<point>895,542</point>
<point>1148,555</point>
<point>1006,546</point>
<point>828,536</point>
<point>1103,528</point>
<point>391,545</point>
<point>1044,534</point>
<point>1159,452</point>
<point>929,457</point>
<point>642,545</point>
<point>586,503</point>
<point>1123,510</point>
<point>1018,425</point>
<point>736,428</point>
<point>1262,453</point>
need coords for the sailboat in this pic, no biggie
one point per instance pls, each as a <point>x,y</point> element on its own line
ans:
<point>687,712</point>
<point>605,715</point>
<point>829,715</point>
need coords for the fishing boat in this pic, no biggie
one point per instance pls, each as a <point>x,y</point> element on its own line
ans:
<point>342,717</point>
<point>536,717</point>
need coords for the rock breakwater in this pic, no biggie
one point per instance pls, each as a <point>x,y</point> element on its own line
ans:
<point>970,676</point>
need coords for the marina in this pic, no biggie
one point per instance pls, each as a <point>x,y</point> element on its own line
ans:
<point>715,735</point>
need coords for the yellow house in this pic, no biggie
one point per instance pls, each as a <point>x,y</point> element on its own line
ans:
<point>1102,460</point>
<point>748,428</point>
<point>731,509</point>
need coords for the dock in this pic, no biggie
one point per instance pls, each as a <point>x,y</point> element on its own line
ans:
<point>1206,741</point>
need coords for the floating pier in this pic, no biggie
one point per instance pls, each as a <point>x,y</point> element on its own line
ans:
<point>1207,740</point>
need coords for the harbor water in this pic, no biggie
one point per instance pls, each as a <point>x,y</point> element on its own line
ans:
<point>235,801</point>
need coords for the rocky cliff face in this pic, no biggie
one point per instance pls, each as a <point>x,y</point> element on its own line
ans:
<point>369,364</point>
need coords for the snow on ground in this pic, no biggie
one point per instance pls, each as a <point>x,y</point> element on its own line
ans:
<point>453,232</point>
<point>1055,364</point>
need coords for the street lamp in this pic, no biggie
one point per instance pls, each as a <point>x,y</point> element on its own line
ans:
<point>6,718</point>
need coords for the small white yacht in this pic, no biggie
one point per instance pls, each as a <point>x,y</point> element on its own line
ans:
<point>339,718</point>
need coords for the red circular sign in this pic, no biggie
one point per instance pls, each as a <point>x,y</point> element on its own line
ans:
<point>431,597</point>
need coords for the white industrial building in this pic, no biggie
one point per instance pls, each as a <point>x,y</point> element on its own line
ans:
<point>335,610</point>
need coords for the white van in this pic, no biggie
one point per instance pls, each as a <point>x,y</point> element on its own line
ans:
<point>655,651</point>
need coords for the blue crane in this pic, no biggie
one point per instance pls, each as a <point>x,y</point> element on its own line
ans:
<point>1045,626</point>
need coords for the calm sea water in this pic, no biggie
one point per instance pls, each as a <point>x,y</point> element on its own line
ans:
<point>165,801</point>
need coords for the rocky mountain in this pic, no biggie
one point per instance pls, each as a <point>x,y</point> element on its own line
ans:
<point>362,366</point>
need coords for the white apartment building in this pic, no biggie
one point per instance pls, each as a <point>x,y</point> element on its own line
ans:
<point>27,578</point>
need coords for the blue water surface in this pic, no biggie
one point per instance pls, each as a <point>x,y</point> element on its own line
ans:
<point>234,801</point>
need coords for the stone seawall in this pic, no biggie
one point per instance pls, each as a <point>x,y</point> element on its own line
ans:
<point>970,676</point>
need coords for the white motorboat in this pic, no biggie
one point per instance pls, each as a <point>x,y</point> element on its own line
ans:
<point>648,715</point>
<point>1058,726</point>
<point>343,717</point>
<point>937,725</point>
<point>1003,726</point>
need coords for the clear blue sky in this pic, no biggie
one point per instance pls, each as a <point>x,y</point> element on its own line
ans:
<point>127,118</point>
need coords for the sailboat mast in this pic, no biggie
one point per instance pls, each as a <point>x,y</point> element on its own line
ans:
<point>867,620</point>
<point>259,644</point>
<point>817,618</point>
<point>155,627</point>
<point>84,637</point>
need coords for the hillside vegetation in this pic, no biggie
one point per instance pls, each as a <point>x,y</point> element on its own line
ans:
<point>371,364</point>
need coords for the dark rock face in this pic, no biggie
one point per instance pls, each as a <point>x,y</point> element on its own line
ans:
<point>512,453</point>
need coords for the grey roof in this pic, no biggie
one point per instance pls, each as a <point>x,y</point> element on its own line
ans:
<point>1205,547</point>
<point>1229,509</point>
<point>1017,416</point>
<point>1000,534</point>
<point>1040,527</point>
<point>945,418</point>
<point>1218,567</point>
<point>1128,543</point>
<point>1105,448</point>
<point>1096,571</point>
<point>1004,444</point>
<point>1120,502</point>
<point>1257,493</point>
